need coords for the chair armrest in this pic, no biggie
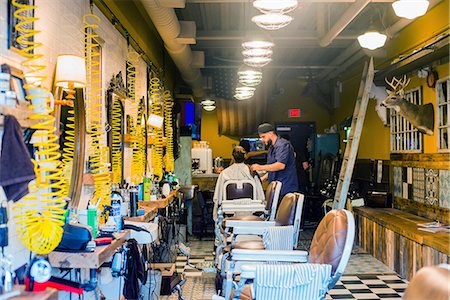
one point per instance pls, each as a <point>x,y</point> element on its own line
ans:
<point>292,256</point>
<point>240,223</point>
<point>248,231</point>
<point>229,208</point>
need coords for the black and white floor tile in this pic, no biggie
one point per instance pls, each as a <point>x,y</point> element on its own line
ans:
<point>365,277</point>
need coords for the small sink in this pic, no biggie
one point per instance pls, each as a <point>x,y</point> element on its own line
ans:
<point>188,191</point>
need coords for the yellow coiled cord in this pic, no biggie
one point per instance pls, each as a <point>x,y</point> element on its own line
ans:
<point>168,105</point>
<point>39,216</point>
<point>157,150</point>
<point>68,150</point>
<point>116,145</point>
<point>132,60</point>
<point>97,150</point>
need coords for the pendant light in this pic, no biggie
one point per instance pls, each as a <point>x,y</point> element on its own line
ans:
<point>275,6</point>
<point>258,43</point>
<point>372,40</point>
<point>257,62</point>
<point>410,9</point>
<point>255,52</point>
<point>249,77</point>
<point>209,107</point>
<point>272,21</point>
<point>208,102</point>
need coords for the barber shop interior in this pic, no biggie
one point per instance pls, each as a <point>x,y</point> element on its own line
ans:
<point>224,149</point>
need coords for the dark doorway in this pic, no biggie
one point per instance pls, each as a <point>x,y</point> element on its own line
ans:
<point>298,133</point>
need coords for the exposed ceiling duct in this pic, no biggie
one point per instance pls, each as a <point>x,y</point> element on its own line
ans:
<point>177,37</point>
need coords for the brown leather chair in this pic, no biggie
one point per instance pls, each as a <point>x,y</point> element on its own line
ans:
<point>331,244</point>
<point>430,283</point>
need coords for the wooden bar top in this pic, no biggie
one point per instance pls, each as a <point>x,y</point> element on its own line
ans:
<point>88,260</point>
<point>405,224</point>
<point>160,203</point>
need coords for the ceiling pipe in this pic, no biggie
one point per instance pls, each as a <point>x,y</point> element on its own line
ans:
<point>169,28</point>
<point>355,48</point>
<point>348,16</point>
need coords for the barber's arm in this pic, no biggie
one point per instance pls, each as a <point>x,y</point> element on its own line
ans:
<point>276,166</point>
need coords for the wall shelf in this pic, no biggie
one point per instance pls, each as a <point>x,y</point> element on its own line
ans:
<point>22,113</point>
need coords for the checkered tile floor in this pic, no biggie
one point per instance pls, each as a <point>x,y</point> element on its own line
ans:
<point>364,278</point>
<point>366,286</point>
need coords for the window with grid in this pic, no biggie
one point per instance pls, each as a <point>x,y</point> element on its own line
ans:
<point>405,138</point>
<point>442,114</point>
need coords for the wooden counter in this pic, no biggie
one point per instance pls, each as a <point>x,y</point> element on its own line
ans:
<point>205,182</point>
<point>392,236</point>
<point>160,203</point>
<point>93,260</point>
<point>49,294</point>
<point>88,260</point>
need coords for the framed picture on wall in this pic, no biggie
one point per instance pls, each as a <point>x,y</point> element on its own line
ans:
<point>18,25</point>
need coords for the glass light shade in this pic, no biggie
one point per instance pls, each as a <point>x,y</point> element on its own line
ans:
<point>275,6</point>
<point>245,89</point>
<point>208,102</point>
<point>155,121</point>
<point>257,62</point>
<point>372,40</point>
<point>70,69</point>
<point>272,21</point>
<point>257,52</point>
<point>209,107</point>
<point>258,44</point>
<point>243,96</point>
<point>410,9</point>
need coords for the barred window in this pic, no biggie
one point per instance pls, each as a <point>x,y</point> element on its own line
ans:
<point>442,114</point>
<point>405,138</point>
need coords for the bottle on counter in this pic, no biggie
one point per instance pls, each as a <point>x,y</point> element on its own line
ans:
<point>133,201</point>
<point>147,187</point>
<point>92,219</point>
<point>116,202</point>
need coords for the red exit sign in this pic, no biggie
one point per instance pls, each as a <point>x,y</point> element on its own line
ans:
<point>294,113</point>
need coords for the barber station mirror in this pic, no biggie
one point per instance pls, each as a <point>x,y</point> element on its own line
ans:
<point>115,97</point>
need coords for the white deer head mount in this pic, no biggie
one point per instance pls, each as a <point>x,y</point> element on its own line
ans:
<point>420,116</point>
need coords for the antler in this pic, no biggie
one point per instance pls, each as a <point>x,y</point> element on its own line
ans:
<point>398,85</point>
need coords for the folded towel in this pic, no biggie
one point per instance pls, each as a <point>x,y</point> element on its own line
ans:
<point>294,281</point>
<point>16,167</point>
<point>278,238</point>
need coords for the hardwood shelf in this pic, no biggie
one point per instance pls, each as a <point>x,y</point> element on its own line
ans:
<point>22,113</point>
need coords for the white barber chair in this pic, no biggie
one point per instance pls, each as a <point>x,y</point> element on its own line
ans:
<point>282,233</point>
<point>294,279</point>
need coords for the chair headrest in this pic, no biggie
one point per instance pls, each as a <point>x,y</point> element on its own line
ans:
<point>239,191</point>
<point>328,243</point>
<point>286,211</point>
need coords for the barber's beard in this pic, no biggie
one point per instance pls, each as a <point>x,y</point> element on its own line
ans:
<point>269,143</point>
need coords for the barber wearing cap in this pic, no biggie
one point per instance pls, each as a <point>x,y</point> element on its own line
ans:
<point>280,160</point>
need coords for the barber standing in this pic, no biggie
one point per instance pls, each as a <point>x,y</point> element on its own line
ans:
<point>280,160</point>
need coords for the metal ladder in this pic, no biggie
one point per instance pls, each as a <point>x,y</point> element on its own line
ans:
<point>351,149</point>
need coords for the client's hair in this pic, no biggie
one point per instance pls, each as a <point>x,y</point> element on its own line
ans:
<point>239,154</point>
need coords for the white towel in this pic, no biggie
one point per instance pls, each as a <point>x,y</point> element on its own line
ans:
<point>279,238</point>
<point>293,281</point>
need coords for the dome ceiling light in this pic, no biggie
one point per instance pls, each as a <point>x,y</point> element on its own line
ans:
<point>272,21</point>
<point>372,40</point>
<point>275,6</point>
<point>410,9</point>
